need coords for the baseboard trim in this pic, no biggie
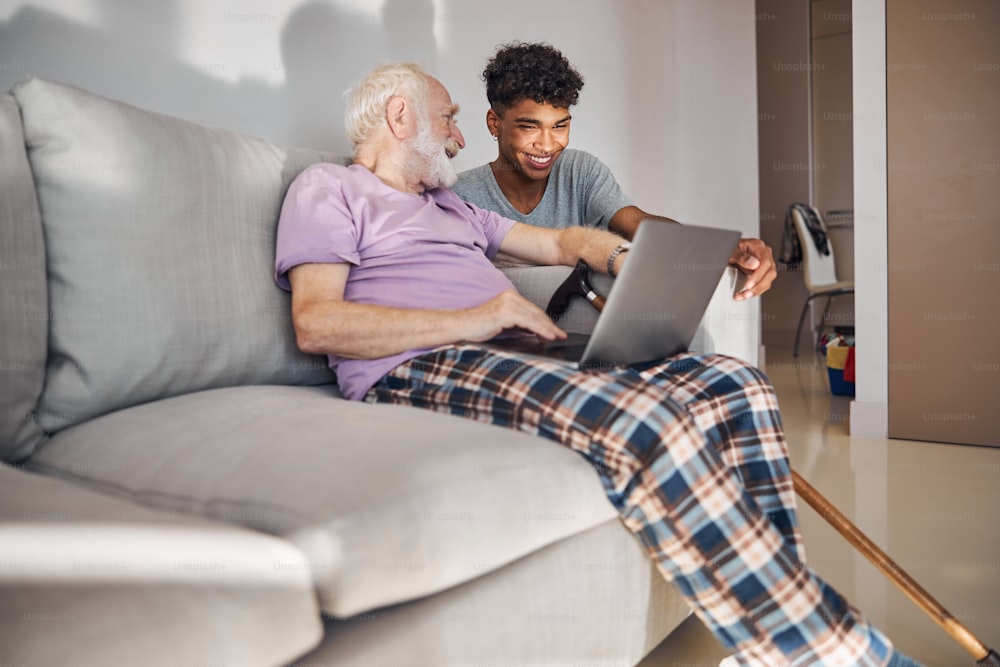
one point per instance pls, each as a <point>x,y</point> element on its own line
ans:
<point>869,419</point>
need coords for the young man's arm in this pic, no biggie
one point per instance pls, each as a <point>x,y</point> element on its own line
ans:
<point>752,257</point>
<point>626,220</point>
<point>325,323</point>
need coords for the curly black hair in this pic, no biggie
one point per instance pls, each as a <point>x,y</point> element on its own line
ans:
<point>539,72</point>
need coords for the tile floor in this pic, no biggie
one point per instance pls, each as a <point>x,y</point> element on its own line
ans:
<point>934,508</point>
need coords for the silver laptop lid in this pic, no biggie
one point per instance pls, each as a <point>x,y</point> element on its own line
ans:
<point>656,304</point>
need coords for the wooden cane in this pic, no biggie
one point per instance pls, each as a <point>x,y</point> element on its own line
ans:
<point>898,576</point>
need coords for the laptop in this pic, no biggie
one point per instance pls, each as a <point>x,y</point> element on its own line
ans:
<point>655,304</point>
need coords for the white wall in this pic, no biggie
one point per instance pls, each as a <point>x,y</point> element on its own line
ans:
<point>669,101</point>
<point>869,411</point>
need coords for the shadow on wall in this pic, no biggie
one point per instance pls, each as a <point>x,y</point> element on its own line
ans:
<point>136,55</point>
<point>326,50</point>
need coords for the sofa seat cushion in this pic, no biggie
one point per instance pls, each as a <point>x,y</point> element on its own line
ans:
<point>388,503</point>
<point>159,240</point>
<point>87,579</point>
<point>594,599</point>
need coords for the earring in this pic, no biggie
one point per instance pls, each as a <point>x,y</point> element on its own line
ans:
<point>494,137</point>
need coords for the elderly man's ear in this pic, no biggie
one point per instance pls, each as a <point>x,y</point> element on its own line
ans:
<point>399,117</point>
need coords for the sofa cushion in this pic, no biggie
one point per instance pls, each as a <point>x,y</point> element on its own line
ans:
<point>24,320</point>
<point>389,503</point>
<point>592,600</point>
<point>160,242</point>
<point>539,283</point>
<point>87,579</point>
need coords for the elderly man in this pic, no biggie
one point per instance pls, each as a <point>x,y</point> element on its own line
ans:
<point>391,277</point>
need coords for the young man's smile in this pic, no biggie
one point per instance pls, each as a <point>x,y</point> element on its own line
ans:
<point>530,135</point>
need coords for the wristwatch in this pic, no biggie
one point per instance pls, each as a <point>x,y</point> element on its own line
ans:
<point>623,247</point>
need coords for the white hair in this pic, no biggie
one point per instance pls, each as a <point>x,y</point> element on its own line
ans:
<point>367,102</point>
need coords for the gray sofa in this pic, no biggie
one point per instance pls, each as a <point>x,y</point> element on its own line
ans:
<point>182,486</point>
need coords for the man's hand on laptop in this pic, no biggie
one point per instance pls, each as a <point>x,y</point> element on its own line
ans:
<point>509,310</point>
<point>754,259</point>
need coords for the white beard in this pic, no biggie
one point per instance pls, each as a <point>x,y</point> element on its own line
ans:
<point>430,159</point>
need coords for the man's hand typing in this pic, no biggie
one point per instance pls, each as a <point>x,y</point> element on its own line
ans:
<point>510,310</point>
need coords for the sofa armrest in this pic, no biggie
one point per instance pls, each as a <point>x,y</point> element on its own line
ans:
<point>89,579</point>
<point>729,327</point>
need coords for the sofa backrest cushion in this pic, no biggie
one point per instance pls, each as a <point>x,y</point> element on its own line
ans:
<point>23,301</point>
<point>159,236</point>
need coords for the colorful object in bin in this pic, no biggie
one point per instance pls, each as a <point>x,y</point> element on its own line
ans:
<point>840,368</point>
<point>835,338</point>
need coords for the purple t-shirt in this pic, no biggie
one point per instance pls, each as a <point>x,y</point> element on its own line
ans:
<point>411,251</point>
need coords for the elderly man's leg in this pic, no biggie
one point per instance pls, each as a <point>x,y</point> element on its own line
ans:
<point>672,488</point>
<point>735,406</point>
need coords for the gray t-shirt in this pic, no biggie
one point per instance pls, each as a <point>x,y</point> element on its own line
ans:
<point>581,191</point>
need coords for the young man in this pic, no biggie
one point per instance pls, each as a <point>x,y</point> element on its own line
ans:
<point>391,277</point>
<point>538,180</point>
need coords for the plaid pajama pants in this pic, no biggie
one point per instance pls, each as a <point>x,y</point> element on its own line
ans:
<point>691,453</point>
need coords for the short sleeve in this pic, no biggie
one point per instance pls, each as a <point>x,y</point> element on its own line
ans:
<point>316,224</point>
<point>494,226</point>
<point>604,196</point>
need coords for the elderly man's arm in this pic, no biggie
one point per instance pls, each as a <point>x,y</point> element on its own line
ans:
<point>325,323</point>
<point>551,247</point>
